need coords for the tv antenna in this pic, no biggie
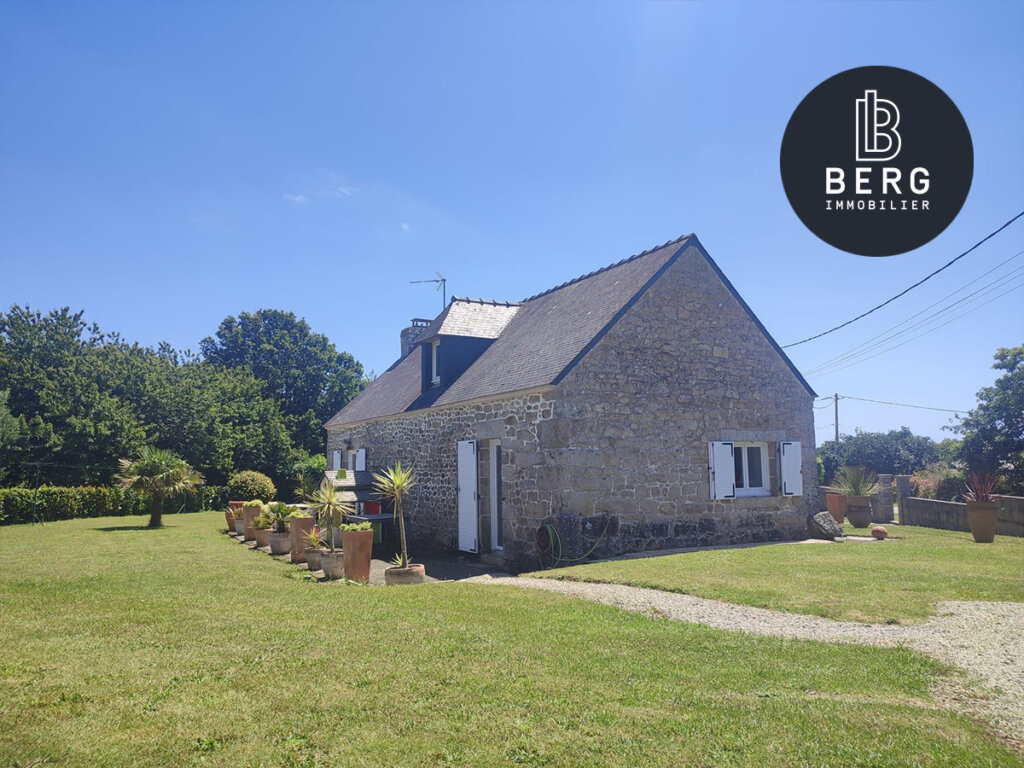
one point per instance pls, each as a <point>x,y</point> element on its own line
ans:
<point>441,286</point>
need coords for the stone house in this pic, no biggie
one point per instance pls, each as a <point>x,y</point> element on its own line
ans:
<point>641,406</point>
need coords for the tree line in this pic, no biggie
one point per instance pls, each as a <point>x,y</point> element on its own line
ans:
<point>75,399</point>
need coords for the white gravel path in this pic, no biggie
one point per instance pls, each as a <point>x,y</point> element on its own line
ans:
<point>985,638</point>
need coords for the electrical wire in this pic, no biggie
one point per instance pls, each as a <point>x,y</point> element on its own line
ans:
<point>909,289</point>
<point>970,298</point>
<point>904,405</point>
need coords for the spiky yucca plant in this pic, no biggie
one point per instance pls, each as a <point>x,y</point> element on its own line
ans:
<point>329,508</point>
<point>394,483</point>
<point>980,487</point>
<point>160,473</point>
<point>855,481</point>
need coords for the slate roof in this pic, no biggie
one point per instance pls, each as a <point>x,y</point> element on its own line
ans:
<point>543,337</point>
<point>471,317</point>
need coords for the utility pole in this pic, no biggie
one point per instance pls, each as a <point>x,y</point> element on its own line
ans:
<point>835,399</point>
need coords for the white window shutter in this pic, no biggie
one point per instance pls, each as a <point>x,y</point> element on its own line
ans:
<point>791,464</point>
<point>466,496</point>
<point>361,460</point>
<point>336,464</point>
<point>722,470</point>
<point>351,461</point>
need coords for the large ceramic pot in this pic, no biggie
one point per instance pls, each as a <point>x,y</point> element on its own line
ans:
<point>234,506</point>
<point>858,511</point>
<point>299,527</point>
<point>333,564</point>
<point>358,546</point>
<point>280,543</point>
<point>413,573</point>
<point>982,517</point>
<point>312,555</point>
<point>238,526</point>
<point>836,505</point>
<point>249,515</point>
<point>229,518</point>
<point>262,537</point>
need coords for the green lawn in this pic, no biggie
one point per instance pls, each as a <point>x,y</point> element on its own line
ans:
<point>898,580</point>
<point>177,647</point>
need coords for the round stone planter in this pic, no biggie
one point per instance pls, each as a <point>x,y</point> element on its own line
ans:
<point>358,546</point>
<point>333,564</point>
<point>262,537</point>
<point>280,543</point>
<point>312,555</point>
<point>981,517</point>
<point>249,516</point>
<point>238,526</point>
<point>858,511</point>
<point>299,527</point>
<point>413,573</point>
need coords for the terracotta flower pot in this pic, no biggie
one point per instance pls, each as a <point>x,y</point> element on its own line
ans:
<point>238,526</point>
<point>333,564</point>
<point>280,543</point>
<point>981,517</point>
<point>358,546</point>
<point>312,555</point>
<point>230,520</point>
<point>299,527</point>
<point>235,505</point>
<point>262,537</point>
<point>858,511</point>
<point>249,516</point>
<point>836,505</point>
<point>413,573</point>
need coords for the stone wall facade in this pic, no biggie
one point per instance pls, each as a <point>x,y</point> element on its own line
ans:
<point>615,456</point>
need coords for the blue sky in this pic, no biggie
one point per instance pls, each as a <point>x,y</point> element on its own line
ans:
<point>164,165</point>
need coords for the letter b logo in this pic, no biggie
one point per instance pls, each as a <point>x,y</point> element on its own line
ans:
<point>877,137</point>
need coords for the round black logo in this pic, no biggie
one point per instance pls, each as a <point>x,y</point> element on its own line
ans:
<point>877,161</point>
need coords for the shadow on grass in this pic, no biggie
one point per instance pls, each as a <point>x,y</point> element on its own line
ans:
<point>114,528</point>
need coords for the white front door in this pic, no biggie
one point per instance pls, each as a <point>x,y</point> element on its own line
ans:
<point>466,496</point>
<point>361,460</point>
<point>337,460</point>
<point>495,488</point>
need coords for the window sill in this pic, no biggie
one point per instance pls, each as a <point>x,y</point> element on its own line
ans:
<point>761,493</point>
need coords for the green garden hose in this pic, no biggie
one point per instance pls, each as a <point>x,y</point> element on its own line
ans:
<point>554,540</point>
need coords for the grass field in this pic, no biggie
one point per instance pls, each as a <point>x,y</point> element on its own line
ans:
<point>178,647</point>
<point>896,581</point>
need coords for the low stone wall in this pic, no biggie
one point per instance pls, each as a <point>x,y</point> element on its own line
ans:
<point>952,515</point>
<point>881,502</point>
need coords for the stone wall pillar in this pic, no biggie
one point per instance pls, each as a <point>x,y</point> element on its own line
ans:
<point>881,502</point>
<point>903,491</point>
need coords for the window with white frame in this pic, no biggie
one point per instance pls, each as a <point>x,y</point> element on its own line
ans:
<point>435,371</point>
<point>750,469</point>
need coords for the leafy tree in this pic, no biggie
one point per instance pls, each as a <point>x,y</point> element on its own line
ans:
<point>897,452</point>
<point>301,370</point>
<point>307,474</point>
<point>161,474</point>
<point>993,433</point>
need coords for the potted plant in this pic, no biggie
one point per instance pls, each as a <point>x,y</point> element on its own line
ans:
<point>279,539</point>
<point>314,543</point>
<point>393,484</point>
<point>835,503</point>
<point>857,484</point>
<point>357,542</point>
<point>261,527</point>
<point>981,508</point>
<point>301,524</point>
<point>239,522</point>
<point>250,511</point>
<point>330,512</point>
<point>229,518</point>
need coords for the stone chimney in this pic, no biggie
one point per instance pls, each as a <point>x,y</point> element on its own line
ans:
<point>412,333</point>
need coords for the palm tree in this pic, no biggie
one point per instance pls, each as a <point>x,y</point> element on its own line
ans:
<point>329,508</point>
<point>394,483</point>
<point>160,473</point>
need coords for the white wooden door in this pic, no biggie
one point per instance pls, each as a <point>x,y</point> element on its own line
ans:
<point>466,495</point>
<point>351,461</point>
<point>337,460</point>
<point>361,460</point>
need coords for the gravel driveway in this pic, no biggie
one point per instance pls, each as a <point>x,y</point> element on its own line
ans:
<point>986,638</point>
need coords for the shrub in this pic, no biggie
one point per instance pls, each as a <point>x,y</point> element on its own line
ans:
<point>938,481</point>
<point>50,503</point>
<point>249,484</point>
<point>363,526</point>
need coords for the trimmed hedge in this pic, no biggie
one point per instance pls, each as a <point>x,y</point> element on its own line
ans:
<point>49,503</point>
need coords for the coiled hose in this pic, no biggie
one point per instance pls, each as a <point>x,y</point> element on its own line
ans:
<point>554,548</point>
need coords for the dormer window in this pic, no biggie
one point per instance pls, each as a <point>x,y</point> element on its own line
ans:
<point>435,371</point>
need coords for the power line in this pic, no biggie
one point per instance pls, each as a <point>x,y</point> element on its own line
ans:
<point>918,336</point>
<point>904,405</point>
<point>906,290</point>
<point>859,350</point>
